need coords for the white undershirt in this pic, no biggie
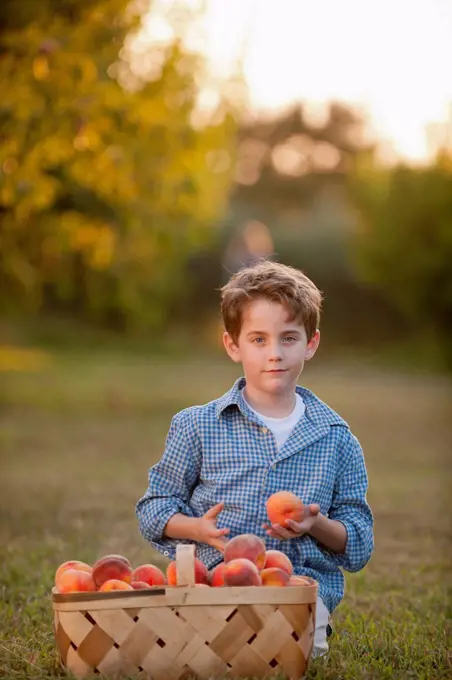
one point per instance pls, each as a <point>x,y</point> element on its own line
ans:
<point>281,427</point>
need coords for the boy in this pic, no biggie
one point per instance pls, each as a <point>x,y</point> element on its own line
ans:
<point>224,459</point>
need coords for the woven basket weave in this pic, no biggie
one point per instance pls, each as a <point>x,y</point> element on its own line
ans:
<point>186,631</point>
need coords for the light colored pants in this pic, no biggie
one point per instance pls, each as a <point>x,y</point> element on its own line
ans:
<point>321,622</point>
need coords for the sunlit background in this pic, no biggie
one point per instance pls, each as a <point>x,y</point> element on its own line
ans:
<point>388,59</point>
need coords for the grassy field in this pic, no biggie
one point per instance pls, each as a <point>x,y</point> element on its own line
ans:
<point>78,435</point>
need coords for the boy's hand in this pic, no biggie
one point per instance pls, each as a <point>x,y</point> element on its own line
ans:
<point>208,532</point>
<point>295,529</point>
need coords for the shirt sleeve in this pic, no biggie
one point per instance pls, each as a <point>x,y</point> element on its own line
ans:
<point>350,507</point>
<point>171,480</point>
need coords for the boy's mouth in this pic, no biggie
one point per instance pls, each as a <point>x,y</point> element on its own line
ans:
<point>277,370</point>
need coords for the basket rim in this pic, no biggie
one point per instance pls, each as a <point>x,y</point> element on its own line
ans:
<point>87,596</point>
<point>187,595</point>
<point>156,590</point>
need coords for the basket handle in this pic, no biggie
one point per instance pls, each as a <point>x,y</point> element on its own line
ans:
<point>185,564</point>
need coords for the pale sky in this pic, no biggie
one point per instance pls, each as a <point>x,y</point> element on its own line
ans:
<point>391,58</point>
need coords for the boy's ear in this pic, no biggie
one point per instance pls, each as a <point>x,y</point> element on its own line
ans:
<point>311,347</point>
<point>230,347</point>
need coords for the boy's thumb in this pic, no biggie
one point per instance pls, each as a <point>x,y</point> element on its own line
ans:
<point>314,509</point>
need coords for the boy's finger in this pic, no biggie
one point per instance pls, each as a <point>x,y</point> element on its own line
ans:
<point>271,533</point>
<point>281,531</point>
<point>214,511</point>
<point>277,531</point>
<point>220,532</point>
<point>219,544</point>
<point>314,508</point>
<point>295,526</point>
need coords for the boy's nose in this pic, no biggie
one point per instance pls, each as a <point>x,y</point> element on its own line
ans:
<point>275,353</point>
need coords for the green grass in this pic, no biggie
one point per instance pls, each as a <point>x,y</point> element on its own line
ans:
<point>76,441</point>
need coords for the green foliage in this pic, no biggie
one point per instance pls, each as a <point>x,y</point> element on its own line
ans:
<point>404,245</point>
<point>105,184</point>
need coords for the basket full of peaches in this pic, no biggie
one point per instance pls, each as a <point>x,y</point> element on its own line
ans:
<point>249,615</point>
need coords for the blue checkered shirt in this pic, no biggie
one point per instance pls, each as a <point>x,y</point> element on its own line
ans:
<point>221,451</point>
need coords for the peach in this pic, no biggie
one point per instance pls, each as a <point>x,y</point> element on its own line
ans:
<point>278,559</point>
<point>284,505</point>
<point>216,576</point>
<point>114,584</point>
<point>140,585</point>
<point>201,573</point>
<point>150,574</point>
<point>111,567</point>
<point>247,546</point>
<point>72,564</point>
<point>75,581</point>
<point>116,557</point>
<point>241,572</point>
<point>296,580</point>
<point>272,576</point>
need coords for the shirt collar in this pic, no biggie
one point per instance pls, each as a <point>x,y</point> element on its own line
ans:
<point>233,398</point>
<point>316,410</point>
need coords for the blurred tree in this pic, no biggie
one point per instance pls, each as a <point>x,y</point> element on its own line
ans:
<point>404,246</point>
<point>282,162</point>
<point>106,184</point>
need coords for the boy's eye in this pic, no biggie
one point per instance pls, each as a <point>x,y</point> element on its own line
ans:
<point>258,341</point>
<point>289,338</point>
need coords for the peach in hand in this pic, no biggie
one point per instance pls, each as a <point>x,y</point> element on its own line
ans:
<point>247,546</point>
<point>272,576</point>
<point>111,567</point>
<point>284,505</point>
<point>278,559</point>
<point>75,581</point>
<point>150,574</point>
<point>241,572</point>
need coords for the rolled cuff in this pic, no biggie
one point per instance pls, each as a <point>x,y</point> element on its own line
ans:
<point>152,523</point>
<point>358,547</point>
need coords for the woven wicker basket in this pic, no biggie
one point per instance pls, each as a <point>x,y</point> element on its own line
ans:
<point>185,631</point>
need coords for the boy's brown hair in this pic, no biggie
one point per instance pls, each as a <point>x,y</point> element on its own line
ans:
<point>275,282</point>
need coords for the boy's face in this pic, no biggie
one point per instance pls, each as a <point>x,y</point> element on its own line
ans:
<point>271,349</point>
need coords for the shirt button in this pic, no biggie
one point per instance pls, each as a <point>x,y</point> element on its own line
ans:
<point>274,467</point>
<point>166,553</point>
<point>264,430</point>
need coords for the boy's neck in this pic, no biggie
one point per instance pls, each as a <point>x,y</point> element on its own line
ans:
<point>272,406</point>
